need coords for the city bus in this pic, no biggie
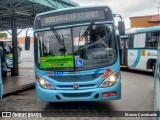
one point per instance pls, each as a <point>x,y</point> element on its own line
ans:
<point>139,48</point>
<point>71,62</point>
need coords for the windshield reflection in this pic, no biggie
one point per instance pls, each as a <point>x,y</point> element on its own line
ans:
<point>87,47</point>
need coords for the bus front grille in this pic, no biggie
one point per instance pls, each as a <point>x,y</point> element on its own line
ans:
<point>76,78</point>
<point>71,87</point>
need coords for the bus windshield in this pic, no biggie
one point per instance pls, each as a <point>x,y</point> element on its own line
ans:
<point>76,48</point>
<point>8,46</point>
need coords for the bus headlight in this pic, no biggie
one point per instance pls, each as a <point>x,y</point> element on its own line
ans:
<point>111,80</point>
<point>7,60</point>
<point>43,83</point>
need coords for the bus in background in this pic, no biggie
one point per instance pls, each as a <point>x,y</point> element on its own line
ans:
<point>138,48</point>
<point>7,55</point>
<point>76,55</point>
<point>157,83</point>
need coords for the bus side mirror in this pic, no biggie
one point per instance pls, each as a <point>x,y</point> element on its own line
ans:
<point>121,27</point>
<point>27,43</point>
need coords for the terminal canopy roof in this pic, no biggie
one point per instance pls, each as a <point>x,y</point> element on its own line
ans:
<point>24,11</point>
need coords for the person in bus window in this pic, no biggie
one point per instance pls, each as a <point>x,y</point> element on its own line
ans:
<point>99,39</point>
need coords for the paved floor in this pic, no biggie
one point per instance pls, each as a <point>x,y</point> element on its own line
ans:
<point>25,79</point>
<point>137,95</point>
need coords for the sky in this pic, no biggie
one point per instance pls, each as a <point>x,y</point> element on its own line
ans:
<point>126,8</point>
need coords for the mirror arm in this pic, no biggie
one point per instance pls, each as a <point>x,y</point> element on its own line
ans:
<point>118,15</point>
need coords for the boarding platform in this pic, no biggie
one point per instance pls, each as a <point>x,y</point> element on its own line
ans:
<point>25,79</point>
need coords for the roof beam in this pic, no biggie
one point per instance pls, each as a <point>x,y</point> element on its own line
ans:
<point>5,7</point>
<point>54,6</point>
<point>20,3</point>
<point>3,28</point>
<point>40,10</point>
<point>25,10</point>
<point>4,2</point>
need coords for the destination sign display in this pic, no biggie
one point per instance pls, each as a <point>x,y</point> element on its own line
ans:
<point>73,16</point>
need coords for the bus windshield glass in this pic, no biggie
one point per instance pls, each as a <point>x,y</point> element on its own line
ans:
<point>76,48</point>
<point>8,46</point>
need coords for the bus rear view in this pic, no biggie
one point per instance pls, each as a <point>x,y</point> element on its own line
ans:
<point>76,55</point>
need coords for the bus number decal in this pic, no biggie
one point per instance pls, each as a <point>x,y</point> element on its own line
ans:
<point>55,74</point>
<point>58,73</point>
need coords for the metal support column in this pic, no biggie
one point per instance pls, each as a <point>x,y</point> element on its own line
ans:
<point>14,70</point>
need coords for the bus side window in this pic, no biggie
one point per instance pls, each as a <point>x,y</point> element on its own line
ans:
<point>152,39</point>
<point>131,37</point>
<point>139,40</point>
<point>149,40</point>
<point>8,49</point>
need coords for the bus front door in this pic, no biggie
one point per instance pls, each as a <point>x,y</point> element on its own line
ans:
<point>123,51</point>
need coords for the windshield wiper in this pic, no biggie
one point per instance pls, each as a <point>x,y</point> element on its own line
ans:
<point>63,50</point>
<point>57,36</point>
<point>89,27</point>
<point>61,41</point>
<point>83,35</point>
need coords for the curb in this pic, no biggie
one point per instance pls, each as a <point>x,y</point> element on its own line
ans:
<point>19,89</point>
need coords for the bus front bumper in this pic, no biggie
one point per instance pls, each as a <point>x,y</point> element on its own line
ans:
<point>97,94</point>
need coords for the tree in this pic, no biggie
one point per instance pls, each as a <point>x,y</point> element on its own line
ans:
<point>3,35</point>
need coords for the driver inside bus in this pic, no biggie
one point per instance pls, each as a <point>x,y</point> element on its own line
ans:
<point>100,36</point>
<point>100,41</point>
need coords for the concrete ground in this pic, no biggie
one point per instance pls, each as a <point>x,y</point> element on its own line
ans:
<point>24,80</point>
<point>137,95</point>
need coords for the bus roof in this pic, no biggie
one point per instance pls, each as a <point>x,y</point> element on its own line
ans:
<point>142,30</point>
<point>70,8</point>
<point>148,29</point>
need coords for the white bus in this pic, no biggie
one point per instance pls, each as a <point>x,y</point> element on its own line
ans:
<point>138,48</point>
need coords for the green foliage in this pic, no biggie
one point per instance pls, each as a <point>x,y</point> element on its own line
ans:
<point>3,35</point>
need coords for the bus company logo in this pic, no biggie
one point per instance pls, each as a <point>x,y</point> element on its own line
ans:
<point>131,54</point>
<point>75,86</point>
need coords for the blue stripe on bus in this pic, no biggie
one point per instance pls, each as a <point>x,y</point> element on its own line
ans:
<point>137,59</point>
<point>155,49</point>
